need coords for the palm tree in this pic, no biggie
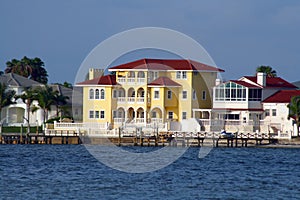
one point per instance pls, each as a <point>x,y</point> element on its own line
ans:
<point>22,67</point>
<point>45,98</point>
<point>294,111</point>
<point>29,68</point>
<point>28,97</point>
<point>59,101</point>
<point>267,70</point>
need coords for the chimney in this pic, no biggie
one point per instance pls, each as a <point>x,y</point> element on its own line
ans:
<point>218,81</point>
<point>94,73</point>
<point>261,79</point>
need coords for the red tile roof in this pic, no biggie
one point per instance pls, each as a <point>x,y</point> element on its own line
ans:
<point>273,82</point>
<point>164,81</point>
<point>101,80</point>
<point>165,64</point>
<point>243,83</point>
<point>282,96</point>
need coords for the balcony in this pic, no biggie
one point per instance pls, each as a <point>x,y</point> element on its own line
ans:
<point>130,99</point>
<point>121,80</point>
<point>140,99</point>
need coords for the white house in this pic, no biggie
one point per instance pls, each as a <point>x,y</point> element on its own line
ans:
<point>14,115</point>
<point>237,104</point>
<point>276,112</point>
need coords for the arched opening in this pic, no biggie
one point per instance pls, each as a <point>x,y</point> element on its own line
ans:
<point>141,74</point>
<point>156,115</point>
<point>97,94</point>
<point>102,93</point>
<point>91,93</point>
<point>131,95</point>
<point>120,95</point>
<point>141,95</point>
<point>119,115</point>
<point>130,114</point>
<point>140,115</point>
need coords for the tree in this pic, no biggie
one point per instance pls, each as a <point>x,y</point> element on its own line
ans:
<point>267,70</point>
<point>59,101</point>
<point>29,68</point>
<point>28,97</point>
<point>294,111</point>
<point>45,99</point>
<point>6,97</point>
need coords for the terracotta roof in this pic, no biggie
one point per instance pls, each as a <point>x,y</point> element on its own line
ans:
<point>282,96</point>
<point>273,82</point>
<point>165,64</point>
<point>243,83</point>
<point>164,81</point>
<point>101,80</point>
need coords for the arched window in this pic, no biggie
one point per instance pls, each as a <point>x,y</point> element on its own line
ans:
<point>102,94</point>
<point>97,94</point>
<point>91,94</point>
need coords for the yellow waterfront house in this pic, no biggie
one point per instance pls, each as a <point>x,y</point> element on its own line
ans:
<point>149,92</point>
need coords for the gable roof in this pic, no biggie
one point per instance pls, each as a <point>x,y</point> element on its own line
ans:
<point>15,80</point>
<point>101,80</point>
<point>243,83</point>
<point>165,64</point>
<point>164,81</point>
<point>282,96</point>
<point>275,82</point>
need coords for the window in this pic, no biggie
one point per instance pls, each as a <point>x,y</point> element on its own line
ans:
<point>91,94</point>
<point>91,116</point>
<point>267,112</point>
<point>102,94</point>
<point>170,115</point>
<point>184,94</point>
<point>183,115</point>
<point>181,75</point>
<point>97,94</point>
<point>203,95</point>
<point>194,95</point>
<point>184,75</point>
<point>273,112</point>
<point>230,92</point>
<point>102,116</point>
<point>156,94</point>
<point>115,92</point>
<point>178,75</point>
<point>153,114</point>
<point>114,114</point>
<point>97,114</point>
<point>254,94</point>
<point>169,94</point>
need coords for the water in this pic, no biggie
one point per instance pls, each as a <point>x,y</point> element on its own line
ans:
<point>70,172</point>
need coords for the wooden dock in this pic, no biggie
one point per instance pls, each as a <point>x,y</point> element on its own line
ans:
<point>184,139</point>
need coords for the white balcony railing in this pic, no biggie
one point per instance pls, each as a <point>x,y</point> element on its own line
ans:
<point>121,80</point>
<point>141,80</point>
<point>140,99</point>
<point>121,99</point>
<point>139,120</point>
<point>131,81</point>
<point>131,99</point>
<point>156,120</point>
<point>119,120</point>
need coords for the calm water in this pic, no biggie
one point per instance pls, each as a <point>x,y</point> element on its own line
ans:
<point>70,172</point>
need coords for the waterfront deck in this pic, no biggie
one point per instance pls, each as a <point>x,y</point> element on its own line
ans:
<point>156,139</point>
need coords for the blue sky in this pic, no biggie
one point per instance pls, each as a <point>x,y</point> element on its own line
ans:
<point>238,34</point>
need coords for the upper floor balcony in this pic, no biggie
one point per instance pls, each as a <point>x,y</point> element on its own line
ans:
<point>131,80</point>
